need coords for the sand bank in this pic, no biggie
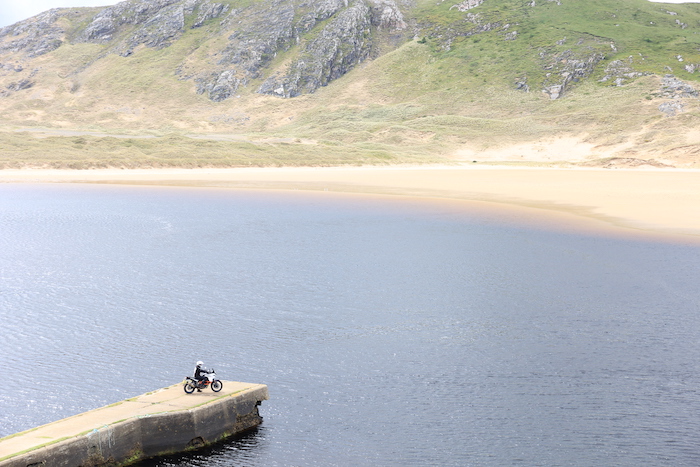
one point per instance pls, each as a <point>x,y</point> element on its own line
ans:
<point>630,202</point>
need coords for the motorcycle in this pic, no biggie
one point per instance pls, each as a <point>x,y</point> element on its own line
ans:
<point>209,380</point>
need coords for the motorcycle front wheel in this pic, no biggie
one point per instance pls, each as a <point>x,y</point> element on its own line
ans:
<point>216,385</point>
<point>189,388</point>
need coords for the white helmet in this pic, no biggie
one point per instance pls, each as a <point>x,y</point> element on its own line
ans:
<point>200,363</point>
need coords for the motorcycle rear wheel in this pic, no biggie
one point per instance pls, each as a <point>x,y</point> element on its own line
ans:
<point>216,385</point>
<point>189,388</point>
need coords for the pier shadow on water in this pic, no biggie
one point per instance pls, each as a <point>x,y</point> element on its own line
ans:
<point>240,450</point>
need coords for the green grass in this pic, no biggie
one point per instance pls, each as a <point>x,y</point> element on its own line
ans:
<point>419,101</point>
<point>20,150</point>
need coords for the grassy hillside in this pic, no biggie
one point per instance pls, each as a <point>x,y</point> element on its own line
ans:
<point>453,86</point>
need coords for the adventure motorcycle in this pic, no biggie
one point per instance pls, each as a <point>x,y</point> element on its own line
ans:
<point>209,380</point>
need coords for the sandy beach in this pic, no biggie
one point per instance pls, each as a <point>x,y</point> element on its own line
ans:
<point>663,204</point>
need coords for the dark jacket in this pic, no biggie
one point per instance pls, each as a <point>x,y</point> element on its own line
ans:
<point>200,372</point>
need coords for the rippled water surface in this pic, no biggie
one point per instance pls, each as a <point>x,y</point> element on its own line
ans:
<point>388,333</point>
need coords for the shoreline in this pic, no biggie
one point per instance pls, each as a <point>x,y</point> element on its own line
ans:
<point>657,204</point>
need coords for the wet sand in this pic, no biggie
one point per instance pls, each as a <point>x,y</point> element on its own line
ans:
<point>662,203</point>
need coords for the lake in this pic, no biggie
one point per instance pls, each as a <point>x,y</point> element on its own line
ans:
<point>389,331</point>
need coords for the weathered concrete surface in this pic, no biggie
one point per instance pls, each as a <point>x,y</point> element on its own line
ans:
<point>160,422</point>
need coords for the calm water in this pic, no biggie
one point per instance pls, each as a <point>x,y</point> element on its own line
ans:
<point>388,333</point>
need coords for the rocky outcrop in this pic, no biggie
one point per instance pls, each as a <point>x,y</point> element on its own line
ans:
<point>267,32</point>
<point>35,36</point>
<point>570,69</point>
<point>290,47</point>
<point>671,108</point>
<point>343,41</point>
<point>675,91</point>
<point>674,88</point>
<point>570,65</point>
<point>467,5</point>
<point>341,44</point>
<point>620,72</point>
<point>322,39</point>
<point>387,15</point>
<point>255,34</point>
<point>107,24</point>
<point>158,23</point>
<point>208,11</point>
<point>16,67</point>
<point>21,84</point>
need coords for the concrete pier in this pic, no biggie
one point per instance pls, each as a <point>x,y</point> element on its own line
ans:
<point>161,422</point>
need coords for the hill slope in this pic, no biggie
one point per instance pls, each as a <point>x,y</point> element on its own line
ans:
<point>295,82</point>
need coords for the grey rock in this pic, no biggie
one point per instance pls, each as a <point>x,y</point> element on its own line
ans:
<point>620,72</point>
<point>521,85</point>
<point>674,88</point>
<point>20,85</point>
<point>267,31</point>
<point>341,45</point>
<point>16,67</point>
<point>152,23</point>
<point>160,30</point>
<point>671,108</point>
<point>112,20</point>
<point>387,15</point>
<point>35,36</point>
<point>322,40</point>
<point>569,66</point>
<point>554,91</point>
<point>221,85</point>
<point>467,5</point>
<point>208,11</point>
